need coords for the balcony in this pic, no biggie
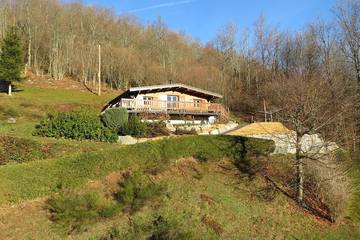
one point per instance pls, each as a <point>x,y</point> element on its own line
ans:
<point>171,107</point>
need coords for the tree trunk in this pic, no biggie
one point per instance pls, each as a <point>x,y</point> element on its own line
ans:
<point>300,171</point>
<point>10,89</point>
<point>99,72</point>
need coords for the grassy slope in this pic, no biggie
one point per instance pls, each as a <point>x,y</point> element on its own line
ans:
<point>31,103</point>
<point>234,209</point>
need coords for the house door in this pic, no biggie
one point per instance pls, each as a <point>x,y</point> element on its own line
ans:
<point>172,102</point>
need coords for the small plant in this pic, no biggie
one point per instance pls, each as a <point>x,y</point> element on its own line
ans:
<point>202,156</point>
<point>135,192</point>
<point>165,230</point>
<point>73,212</point>
<point>115,118</point>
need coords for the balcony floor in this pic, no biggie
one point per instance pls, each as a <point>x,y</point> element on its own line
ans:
<point>175,112</point>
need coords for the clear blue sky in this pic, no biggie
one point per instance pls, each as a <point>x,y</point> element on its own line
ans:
<point>202,19</point>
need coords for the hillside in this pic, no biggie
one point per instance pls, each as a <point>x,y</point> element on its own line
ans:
<point>201,192</point>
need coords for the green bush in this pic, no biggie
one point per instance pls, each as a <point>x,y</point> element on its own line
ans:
<point>159,228</point>
<point>79,124</point>
<point>115,118</point>
<point>136,191</point>
<point>73,211</point>
<point>135,127</point>
<point>165,230</point>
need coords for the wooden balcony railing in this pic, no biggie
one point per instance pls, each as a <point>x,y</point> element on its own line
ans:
<point>138,105</point>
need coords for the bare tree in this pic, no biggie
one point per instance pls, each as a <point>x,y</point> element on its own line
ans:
<point>307,106</point>
<point>347,14</point>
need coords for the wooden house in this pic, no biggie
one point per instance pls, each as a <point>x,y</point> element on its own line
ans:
<point>172,99</point>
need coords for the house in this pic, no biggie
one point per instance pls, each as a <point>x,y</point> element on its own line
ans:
<point>176,100</point>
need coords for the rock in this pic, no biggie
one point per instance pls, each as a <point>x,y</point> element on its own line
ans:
<point>127,140</point>
<point>11,120</point>
<point>170,127</point>
<point>215,132</point>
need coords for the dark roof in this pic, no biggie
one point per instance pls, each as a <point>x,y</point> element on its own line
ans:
<point>176,87</point>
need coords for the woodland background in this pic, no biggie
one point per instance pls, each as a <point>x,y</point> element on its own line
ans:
<point>320,64</point>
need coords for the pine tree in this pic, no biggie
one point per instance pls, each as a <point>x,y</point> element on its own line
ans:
<point>11,58</point>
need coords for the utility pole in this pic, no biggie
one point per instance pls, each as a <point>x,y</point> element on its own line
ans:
<point>99,72</point>
<point>265,111</point>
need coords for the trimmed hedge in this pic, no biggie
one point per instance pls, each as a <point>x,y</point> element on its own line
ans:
<point>41,178</point>
<point>80,124</point>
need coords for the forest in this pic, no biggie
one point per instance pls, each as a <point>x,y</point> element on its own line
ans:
<point>310,78</point>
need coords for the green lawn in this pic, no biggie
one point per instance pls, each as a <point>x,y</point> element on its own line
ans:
<point>29,104</point>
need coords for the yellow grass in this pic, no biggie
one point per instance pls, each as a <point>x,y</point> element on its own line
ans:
<point>261,128</point>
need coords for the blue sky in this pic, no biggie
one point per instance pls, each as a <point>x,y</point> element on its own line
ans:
<point>202,19</point>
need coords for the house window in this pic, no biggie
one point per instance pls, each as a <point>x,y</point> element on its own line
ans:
<point>197,103</point>
<point>172,102</point>
<point>148,101</point>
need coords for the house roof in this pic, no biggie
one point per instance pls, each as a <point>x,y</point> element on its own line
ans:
<point>176,87</point>
<point>261,128</point>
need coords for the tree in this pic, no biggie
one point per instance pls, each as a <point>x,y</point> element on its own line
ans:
<point>347,14</point>
<point>309,108</point>
<point>11,58</point>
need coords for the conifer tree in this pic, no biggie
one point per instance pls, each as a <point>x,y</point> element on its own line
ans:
<point>11,58</point>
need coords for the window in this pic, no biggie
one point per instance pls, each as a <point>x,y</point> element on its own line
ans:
<point>197,103</point>
<point>172,98</point>
<point>148,101</point>
<point>172,102</point>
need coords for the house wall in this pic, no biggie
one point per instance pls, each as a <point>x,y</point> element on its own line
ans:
<point>186,101</point>
<point>162,96</point>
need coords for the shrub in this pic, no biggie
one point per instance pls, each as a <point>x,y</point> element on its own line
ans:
<point>79,124</point>
<point>165,230</point>
<point>202,156</point>
<point>135,127</point>
<point>115,118</point>
<point>183,131</point>
<point>73,212</point>
<point>331,185</point>
<point>13,149</point>
<point>155,129</point>
<point>135,192</point>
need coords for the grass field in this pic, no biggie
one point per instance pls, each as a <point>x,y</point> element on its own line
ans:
<point>205,194</point>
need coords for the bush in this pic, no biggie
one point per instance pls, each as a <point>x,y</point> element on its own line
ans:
<point>165,230</point>
<point>155,129</point>
<point>202,156</point>
<point>135,192</point>
<point>135,127</point>
<point>330,185</point>
<point>73,212</point>
<point>13,149</point>
<point>183,131</point>
<point>115,118</point>
<point>159,228</point>
<point>79,124</point>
